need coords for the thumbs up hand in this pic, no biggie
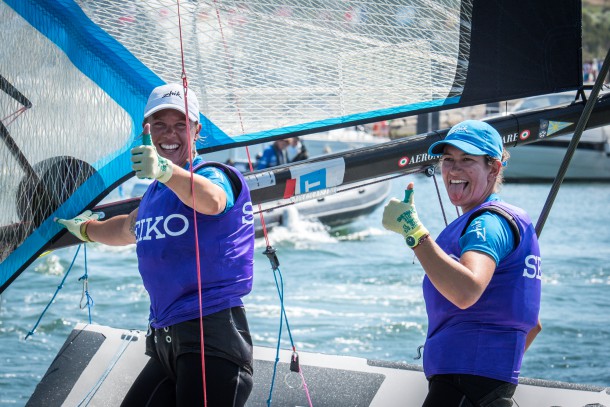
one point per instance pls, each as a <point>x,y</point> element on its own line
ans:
<point>147,163</point>
<point>401,217</point>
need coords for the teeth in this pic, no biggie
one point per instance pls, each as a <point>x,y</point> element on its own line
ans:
<point>457,181</point>
<point>169,146</point>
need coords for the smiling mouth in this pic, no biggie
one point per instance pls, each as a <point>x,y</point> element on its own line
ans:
<point>169,147</point>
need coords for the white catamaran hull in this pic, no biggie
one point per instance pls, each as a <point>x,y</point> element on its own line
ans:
<point>539,162</point>
<point>97,365</point>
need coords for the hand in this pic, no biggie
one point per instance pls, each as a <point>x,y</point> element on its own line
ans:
<point>401,217</point>
<point>78,225</point>
<point>147,163</point>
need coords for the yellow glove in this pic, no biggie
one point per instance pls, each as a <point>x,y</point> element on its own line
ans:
<point>148,164</point>
<point>78,225</point>
<point>401,217</point>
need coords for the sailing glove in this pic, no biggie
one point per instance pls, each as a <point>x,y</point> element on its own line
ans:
<point>78,225</point>
<point>148,164</point>
<point>401,217</point>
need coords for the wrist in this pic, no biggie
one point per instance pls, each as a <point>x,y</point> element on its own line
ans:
<point>166,170</point>
<point>83,231</point>
<point>417,237</point>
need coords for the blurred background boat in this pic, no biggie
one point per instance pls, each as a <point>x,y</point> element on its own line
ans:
<point>540,161</point>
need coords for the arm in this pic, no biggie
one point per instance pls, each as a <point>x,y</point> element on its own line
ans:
<point>531,335</point>
<point>210,199</point>
<point>116,231</point>
<point>461,283</point>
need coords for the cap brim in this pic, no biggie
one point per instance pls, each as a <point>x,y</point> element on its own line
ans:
<point>192,116</point>
<point>438,147</point>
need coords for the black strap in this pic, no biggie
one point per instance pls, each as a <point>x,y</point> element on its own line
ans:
<point>497,210</point>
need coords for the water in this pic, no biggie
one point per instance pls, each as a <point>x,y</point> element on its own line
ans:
<point>353,291</point>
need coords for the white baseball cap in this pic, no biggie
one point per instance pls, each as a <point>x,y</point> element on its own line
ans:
<point>171,96</point>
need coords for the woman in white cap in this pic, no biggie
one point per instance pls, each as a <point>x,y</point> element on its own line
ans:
<point>482,275</point>
<point>163,230</point>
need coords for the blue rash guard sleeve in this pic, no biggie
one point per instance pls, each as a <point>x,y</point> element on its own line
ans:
<point>489,233</point>
<point>218,177</point>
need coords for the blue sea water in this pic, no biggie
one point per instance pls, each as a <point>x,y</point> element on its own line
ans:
<point>352,291</point>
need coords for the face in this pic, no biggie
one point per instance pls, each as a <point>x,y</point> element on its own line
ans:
<point>169,135</point>
<point>469,179</point>
<point>282,144</point>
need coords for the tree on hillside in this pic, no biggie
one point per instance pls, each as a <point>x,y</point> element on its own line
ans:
<point>596,32</point>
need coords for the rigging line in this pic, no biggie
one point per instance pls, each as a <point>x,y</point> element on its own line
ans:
<point>85,294</point>
<point>580,127</point>
<point>13,116</point>
<point>274,261</point>
<point>239,113</point>
<point>431,172</point>
<point>195,228</point>
<point>59,287</point>
<point>10,90</point>
<point>294,364</point>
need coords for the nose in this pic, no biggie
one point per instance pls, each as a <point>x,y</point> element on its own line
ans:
<point>451,166</point>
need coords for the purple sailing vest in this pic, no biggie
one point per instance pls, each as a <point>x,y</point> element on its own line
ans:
<point>487,339</point>
<point>165,240</point>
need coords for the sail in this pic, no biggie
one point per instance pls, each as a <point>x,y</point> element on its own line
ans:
<point>75,76</point>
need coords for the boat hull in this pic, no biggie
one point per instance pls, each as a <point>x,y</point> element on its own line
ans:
<point>332,210</point>
<point>98,364</point>
<point>540,161</point>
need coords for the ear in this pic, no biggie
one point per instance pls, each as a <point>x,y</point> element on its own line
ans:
<point>495,167</point>
<point>197,130</point>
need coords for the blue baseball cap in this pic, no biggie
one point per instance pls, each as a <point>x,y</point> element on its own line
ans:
<point>473,137</point>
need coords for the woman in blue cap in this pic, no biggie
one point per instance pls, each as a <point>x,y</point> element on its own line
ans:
<point>482,282</point>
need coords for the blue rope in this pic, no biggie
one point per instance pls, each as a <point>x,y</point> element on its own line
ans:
<point>283,309</point>
<point>59,287</point>
<point>283,316</point>
<point>277,349</point>
<point>85,279</point>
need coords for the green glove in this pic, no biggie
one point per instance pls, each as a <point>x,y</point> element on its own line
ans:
<point>148,164</point>
<point>78,225</point>
<point>401,217</point>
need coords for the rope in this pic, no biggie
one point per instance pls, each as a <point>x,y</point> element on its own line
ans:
<point>270,252</point>
<point>294,363</point>
<point>85,294</point>
<point>195,228</point>
<point>13,116</point>
<point>59,287</point>
<point>431,172</point>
